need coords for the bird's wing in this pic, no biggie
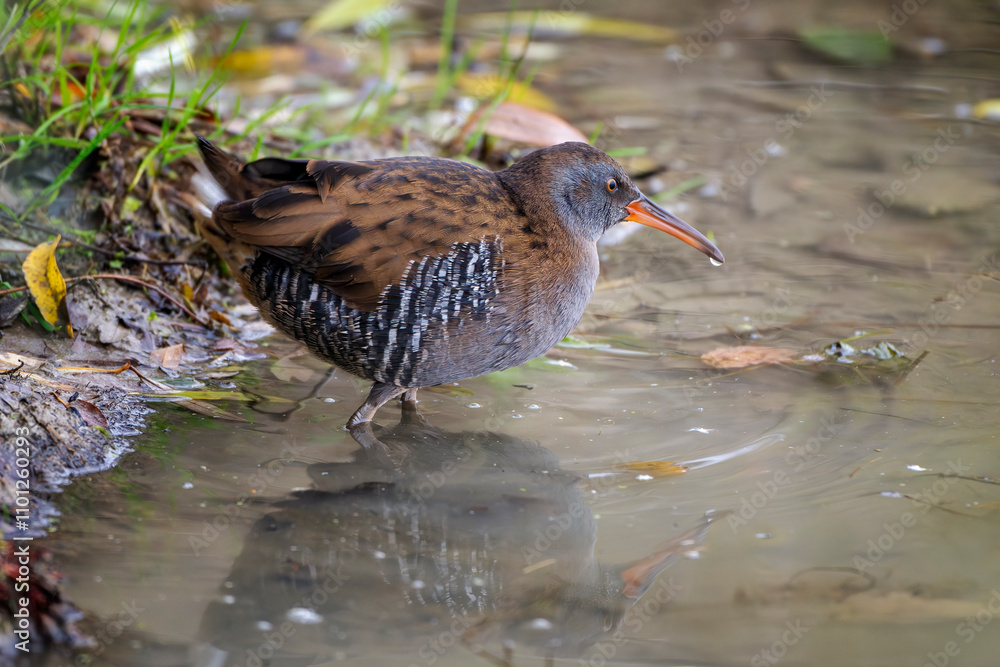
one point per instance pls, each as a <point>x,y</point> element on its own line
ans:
<point>357,226</point>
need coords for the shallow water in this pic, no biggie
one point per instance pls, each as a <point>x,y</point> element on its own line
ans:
<point>863,512</point>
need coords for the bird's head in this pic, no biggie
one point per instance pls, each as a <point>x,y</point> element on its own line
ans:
<point>588,192</point>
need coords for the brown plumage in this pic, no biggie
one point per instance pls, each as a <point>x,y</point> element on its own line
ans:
<point>416,271</point>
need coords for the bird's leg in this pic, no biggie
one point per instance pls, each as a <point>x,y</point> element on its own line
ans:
<point>381,393</point>
<point>409,400</point>
<point>411,411</point>
<point>379,453</point>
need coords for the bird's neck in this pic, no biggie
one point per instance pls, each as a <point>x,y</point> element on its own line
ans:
<point>522,182</point>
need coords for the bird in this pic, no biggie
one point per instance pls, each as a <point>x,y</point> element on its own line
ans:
<point>413,272</point>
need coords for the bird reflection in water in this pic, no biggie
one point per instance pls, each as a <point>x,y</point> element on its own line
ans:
<point>426,540</point>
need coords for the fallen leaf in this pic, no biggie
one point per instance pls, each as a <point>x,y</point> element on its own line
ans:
<point>524,125</point>
<point>219,317</point>
<point>987,110</point>
<point>486,86</point>
<point>265,60</point>
<point>10,308</point>
<point>167,357</point>
<point>748,355</point>
<point>563,22</point>
<point>41,273</point>
<point>653,468</point>
<point>339,14</point>
<point>12,360</point>
<point>91,413</point>
<point>858,47</point>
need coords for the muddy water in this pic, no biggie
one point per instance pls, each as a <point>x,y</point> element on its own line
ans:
<point>862,524</point>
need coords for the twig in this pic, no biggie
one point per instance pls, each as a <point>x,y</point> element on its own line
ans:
<point>114,371</point>
<point>862,466</point>
<point>55,394</point>
<point>13,371</point>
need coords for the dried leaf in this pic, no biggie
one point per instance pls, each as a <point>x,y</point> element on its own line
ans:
<point>525,125</point>
<point>10,308</point>
<point>167,357</point>
<point>653,468</point>
<point>748,355</point>
<point>91,413</point>
<point>486,86</point>
<point>987,110</point>
<point>339,14</point>
<point>12,360</point>
<point>571,23</point>
<point>219,317</point>
<point>266,60</point>
<point>41,273</point>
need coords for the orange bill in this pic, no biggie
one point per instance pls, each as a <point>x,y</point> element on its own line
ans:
<point>645,212</point>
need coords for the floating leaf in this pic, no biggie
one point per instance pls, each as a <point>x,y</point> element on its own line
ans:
<point>748,355</point>
<point>653,468</point>
<point>860,47</point>
<point>880,364</point>
<point>41,273</point>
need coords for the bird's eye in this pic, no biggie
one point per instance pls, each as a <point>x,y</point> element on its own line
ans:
<point>612,185</point>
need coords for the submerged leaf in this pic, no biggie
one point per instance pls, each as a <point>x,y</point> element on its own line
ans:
<point>860,47</point>
<point>41,273</point>
<point>748,355</point>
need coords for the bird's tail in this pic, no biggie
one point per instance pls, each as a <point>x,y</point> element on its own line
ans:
<point>226,169</point>
<point>241,180</point>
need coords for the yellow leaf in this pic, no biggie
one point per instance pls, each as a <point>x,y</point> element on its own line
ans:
<point>572,23</point>
<point>652,468</point>
<point>47,286</point>
<point>987,110</point>
<point>167,357</point>
<point>339,14</point>
<point>486,86</point>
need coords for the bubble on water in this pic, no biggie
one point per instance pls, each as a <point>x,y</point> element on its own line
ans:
<point>303,616</point>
